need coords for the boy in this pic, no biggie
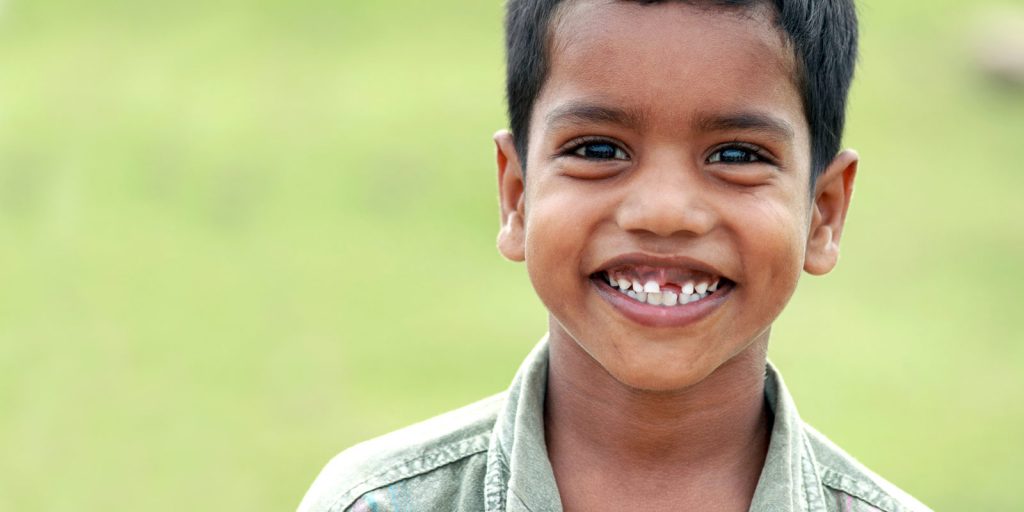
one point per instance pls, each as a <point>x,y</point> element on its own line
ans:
<point>671,167</point>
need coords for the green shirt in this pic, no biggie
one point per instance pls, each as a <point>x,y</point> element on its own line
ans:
<point>490,456</point>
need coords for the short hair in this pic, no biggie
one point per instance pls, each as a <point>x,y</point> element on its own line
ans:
<point>822,33</point>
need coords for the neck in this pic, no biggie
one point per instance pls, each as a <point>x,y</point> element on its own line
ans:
<point>719,426</point>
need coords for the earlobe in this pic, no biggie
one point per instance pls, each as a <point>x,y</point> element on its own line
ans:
<point>831,201</point>
<point>511,187</point>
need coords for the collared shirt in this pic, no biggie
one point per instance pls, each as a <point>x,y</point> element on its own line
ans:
<point>491,456</point>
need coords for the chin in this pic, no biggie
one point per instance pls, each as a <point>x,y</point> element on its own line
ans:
<point>660,375</point>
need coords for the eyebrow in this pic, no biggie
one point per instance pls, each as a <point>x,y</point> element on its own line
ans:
<point>582,112</point>
<point>751,121</point>
<point>585,112</point>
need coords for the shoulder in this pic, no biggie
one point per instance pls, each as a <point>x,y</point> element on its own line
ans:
<point>415,451</point>
<point>854,486</point>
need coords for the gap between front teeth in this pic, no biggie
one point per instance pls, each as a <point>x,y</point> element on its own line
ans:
<point>651,293</point>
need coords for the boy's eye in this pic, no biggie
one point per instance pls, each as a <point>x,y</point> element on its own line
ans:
<point>734,155</point>
<point>600,151</point>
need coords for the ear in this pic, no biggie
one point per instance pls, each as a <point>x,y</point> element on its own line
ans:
<point>512,235</point>
<point>832,194</point>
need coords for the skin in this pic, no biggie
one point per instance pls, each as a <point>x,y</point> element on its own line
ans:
<point>626,155</point>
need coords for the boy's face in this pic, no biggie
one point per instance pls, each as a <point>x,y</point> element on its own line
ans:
<point>668,146</point>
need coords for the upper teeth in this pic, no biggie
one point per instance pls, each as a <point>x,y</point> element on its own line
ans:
<point>651,292</point>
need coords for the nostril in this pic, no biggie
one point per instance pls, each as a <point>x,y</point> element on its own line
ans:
<point>666,215</point>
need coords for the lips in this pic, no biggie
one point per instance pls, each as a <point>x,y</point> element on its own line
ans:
<point>661,291</point>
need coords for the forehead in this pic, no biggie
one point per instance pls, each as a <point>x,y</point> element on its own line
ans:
<point>671,60</point>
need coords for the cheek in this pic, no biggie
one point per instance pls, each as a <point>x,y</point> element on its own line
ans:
<point>787,231</point>
<point>555,239</point>
<point>775,241</point>
<point>560,214</point>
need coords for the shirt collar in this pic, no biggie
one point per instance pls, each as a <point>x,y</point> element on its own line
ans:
<point>519,475</point>
<point>789,479</point>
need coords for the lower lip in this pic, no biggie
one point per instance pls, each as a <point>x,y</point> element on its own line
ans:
<point>661,316</point>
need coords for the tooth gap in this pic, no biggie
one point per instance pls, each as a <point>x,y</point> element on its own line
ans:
<point>641,296</point>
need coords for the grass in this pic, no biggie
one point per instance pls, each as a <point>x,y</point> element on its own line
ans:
<point>237,237</point>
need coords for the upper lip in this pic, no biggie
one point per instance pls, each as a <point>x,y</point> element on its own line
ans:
<point>653,260</point>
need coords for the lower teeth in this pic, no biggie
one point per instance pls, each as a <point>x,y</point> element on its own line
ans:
<point>665,299</point>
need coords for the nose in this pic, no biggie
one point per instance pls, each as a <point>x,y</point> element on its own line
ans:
<point>667,200</point>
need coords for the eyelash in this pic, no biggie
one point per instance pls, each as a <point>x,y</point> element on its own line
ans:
<point>754,154</point>
<point>578,146</point>
<point>753,151</point>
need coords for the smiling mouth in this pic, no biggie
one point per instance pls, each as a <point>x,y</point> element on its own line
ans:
<point>664,287</point>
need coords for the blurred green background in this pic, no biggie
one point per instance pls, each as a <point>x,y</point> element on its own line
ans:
<point>238,237</point>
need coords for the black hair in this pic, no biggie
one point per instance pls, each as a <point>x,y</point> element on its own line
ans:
<point>822,33</point>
